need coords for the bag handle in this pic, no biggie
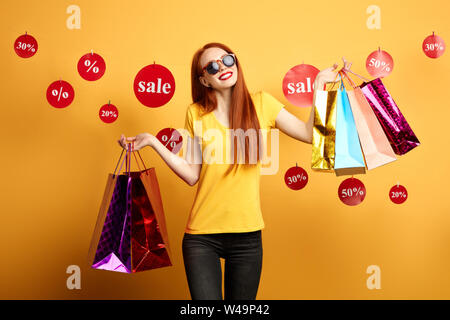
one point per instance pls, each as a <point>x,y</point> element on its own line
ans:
<point>334,81</point>
<point>359,76</point>
<point>146,172</point>
<point>137,159</point>
<point>349,79</point>
<point>127,159</point>
<point>114,174</point>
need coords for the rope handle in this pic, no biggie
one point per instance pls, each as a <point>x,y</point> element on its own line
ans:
<point>127,160</point>
<point>349,79</point>
<point>334,81</point>
<point>359,76</point>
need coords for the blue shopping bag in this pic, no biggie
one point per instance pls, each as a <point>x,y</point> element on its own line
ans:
<point>349,158</point>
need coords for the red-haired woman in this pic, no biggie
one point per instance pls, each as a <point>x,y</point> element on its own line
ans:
<point>225,220</point>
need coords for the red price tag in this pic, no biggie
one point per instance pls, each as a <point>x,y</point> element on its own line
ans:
<point>296,178</point>
<point>352,191</point>
<point>433,46</point>
<point>108,113</point>
<point>60,94</point>
<point>171,138</point>
<point>25,46</point>
<point>379,63</point>
<point>398,194</point>
<point>298,85</point>
<point>91,66</point>
<point>154,85</point>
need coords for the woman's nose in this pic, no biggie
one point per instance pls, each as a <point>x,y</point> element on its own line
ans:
<point>221,66</point>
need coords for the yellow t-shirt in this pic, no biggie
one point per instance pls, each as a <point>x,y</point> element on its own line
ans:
<point>228,203</point>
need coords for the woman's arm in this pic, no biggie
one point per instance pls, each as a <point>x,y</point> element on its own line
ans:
<point>187,169</point>
<point>294,127</point>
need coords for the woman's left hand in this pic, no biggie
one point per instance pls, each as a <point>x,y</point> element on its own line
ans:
<point>330,74</point>
<point>139,141</point>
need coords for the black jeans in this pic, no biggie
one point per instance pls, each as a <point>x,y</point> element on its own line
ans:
<point>243,262</point>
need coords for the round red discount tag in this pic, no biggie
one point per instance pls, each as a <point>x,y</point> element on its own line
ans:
<point>398,194</point>
<point>298,85</point>
<point>108,113</point>
<point>25,46</point>
<point>60,94</point>
<point>91,66</point>
<point>379,63</point>
<point>433,46</point>
<point>352,191</point>
<point>296,178</point>
<point>171,139</point>
<point>154,85</point>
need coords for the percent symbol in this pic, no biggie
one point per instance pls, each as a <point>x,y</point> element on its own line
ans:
<point>87,63</point>
<point>31,47</point>
<point>296,178</point>
<point>398,194</point>
<point>173,143</point>
<point>55,93</point>
<point>91,66</point>
<point>60,94</point>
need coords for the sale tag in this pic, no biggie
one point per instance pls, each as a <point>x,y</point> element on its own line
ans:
<point>171,139</point>
<point>91,66</point>
<point>154,85</point>
<point>398,194</point>
<point>60,94</point>
<point>108,113</point>
<point>352,191</point>
<point>25,46</point>
<point>433,46</point>
<point>296,178</point>
<point>298,85</point>
<point>379,63</point>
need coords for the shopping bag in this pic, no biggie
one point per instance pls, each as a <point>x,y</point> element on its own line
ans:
<point>324,130</point>
<point>348,155</point>
<point>375,145</point>
<point>397,130</point>
<point>130,234</point>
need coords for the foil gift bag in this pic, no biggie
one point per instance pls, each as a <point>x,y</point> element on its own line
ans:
<point>397,130</point>
<point>376,147</point>
<point>130,234</point>
<point>348,155</point>
<point>324,130</point>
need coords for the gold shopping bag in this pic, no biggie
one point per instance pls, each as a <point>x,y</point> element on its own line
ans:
<point>324,130</point>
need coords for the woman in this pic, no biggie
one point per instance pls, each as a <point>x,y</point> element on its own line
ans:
<point>225,220</point>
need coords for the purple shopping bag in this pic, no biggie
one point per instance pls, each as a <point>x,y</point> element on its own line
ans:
<point>130,234</point>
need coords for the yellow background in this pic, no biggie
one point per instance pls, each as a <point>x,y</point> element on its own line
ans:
<point>55,161</point>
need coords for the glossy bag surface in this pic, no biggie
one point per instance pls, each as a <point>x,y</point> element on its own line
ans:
<point>394,124</point>
<point>349,158</point>
<point>130,234</point>
<point>324,130</point>
<point>376,147</point>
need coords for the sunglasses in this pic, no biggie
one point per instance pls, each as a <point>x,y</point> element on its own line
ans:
<point>213,66</point>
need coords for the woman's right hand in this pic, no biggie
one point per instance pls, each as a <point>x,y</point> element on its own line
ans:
<point>140,141</point>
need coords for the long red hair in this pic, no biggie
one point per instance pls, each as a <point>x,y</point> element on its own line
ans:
<point>242,113</point>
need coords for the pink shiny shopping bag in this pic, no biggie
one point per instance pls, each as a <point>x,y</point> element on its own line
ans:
<point>394,124</point>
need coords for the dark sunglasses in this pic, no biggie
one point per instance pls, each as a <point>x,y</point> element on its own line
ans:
<point>213,66</point>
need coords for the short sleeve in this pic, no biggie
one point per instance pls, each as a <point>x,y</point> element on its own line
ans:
<point>189,121</point>
<point>271,107</point>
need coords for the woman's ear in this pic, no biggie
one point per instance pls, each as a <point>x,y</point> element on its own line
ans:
<point>203,82</point>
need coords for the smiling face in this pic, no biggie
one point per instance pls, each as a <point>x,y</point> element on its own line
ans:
<point>222,79</point>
